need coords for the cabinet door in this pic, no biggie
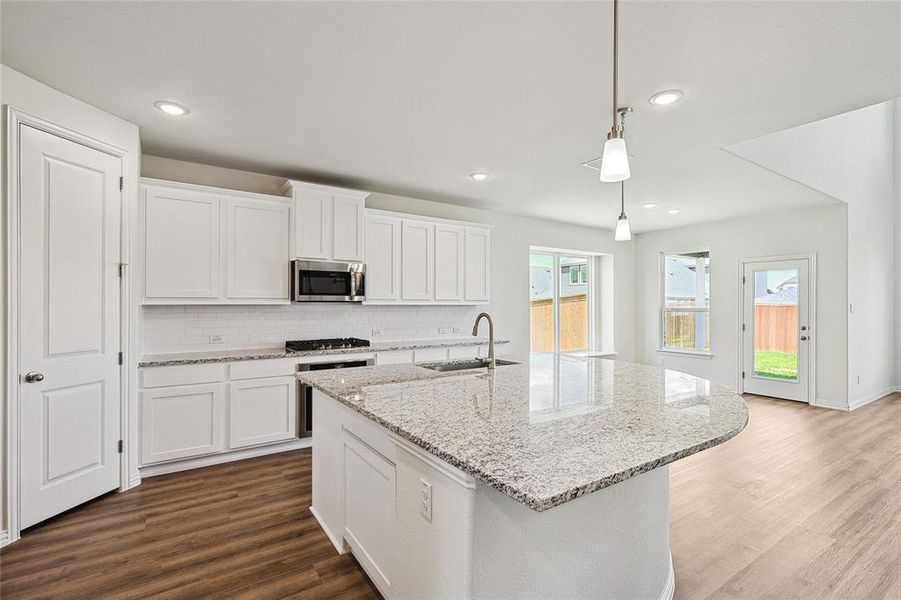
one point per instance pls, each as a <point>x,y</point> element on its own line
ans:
<point>258,234</point>
<point>370,499</point>
<point>448,262</point>
<point>417,259</point>
<point>261,411</point>
<point>181,245</point>
<point>347,232</point>
<point>181,421</point>
<point>383,248</point>
<point>313,225</point>
<point>478,264</point>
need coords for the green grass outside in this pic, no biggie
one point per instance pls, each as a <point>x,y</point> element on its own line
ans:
<point>778,365</point>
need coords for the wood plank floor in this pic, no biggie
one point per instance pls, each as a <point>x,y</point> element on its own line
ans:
<point>806,503</point>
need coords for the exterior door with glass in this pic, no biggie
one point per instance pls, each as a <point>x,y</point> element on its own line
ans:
<point>776,328</point>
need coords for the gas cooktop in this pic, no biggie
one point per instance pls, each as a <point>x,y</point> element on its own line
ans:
<point>325,344</point>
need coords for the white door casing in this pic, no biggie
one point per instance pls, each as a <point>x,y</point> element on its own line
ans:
<point>69,332</point>
<point>763,376</point>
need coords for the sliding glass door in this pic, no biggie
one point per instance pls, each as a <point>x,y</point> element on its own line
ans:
<point>560,301</point>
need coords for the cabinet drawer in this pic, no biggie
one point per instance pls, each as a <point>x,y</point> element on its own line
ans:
<point>154,377</point>
<point>430,354</point>
<point>251,369</point>
<point>395,357</point>
<point>458,352</point>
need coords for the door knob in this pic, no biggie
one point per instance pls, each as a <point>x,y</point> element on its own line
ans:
<point>803,327</point>
<point>34,377</point>
<point>803,338</point>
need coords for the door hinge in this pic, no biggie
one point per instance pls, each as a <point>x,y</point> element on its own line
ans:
<point>121,446</point>
<point>121,357</point>
<point>742,326</point>
<point>121,183</point>
<point>742,374</point>
<point>122,267</point>
<point>743,279</point>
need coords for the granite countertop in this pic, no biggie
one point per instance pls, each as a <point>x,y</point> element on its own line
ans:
<point>550,429</point>
<point>191,358</point>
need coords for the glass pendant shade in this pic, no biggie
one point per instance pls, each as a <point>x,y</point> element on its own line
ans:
<point>623,232</point>
<point>615,162</point>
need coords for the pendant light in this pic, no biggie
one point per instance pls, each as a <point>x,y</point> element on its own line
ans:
<point>623,231</point>
<point>615,161</point>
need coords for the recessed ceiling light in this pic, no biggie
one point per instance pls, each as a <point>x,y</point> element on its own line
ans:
<point>171,108</point>
<point>674,211</point>
<point>650,205</point>
<point>479,176</point>
<point>666,97</point>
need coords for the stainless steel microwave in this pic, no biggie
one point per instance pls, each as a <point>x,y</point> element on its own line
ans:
<point>323,281</point>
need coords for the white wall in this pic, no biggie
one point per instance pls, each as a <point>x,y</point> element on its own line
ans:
<point>851,157</point>
<point>821,230</point>
<point>511,238</point>
<point>26,94</point>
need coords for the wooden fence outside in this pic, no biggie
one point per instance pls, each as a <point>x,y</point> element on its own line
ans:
<point>573,324</point>
<point>776,327</point>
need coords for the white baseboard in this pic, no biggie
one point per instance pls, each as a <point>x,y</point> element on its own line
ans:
<point>821,403</point>
<point>134,480</point>
<point>669,588</point>
<point>216,459</point>
<point>855,404</point>
<point>336,541</point>
<point>4,538</point>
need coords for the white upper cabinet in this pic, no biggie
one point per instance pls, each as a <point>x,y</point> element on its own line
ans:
<point>421,260</point>
<point>329,221</point>
<point>417,260</point>
<point>258,238</point>
<point>181,244</point>
<point>207,245</point>
<point>449,271</point>
<point>383,246</point>
<point>477,250</point>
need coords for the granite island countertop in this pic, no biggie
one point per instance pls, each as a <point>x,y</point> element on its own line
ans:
<point>550,429</point>
<point>213,356</point>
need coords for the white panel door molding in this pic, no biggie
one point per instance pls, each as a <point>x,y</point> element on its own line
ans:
<point>258,234</point>
<point>69,330</point>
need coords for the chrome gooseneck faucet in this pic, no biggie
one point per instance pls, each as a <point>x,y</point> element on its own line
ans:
<point>475,332</point>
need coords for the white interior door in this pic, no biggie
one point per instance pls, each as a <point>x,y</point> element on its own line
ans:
<point>69,324</point>
<point>777,335</point>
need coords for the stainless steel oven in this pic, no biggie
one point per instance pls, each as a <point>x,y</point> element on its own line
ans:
<point>323,281</point>
<point>306,392</point>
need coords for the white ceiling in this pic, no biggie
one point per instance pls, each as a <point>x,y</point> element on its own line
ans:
<point>410,97</point>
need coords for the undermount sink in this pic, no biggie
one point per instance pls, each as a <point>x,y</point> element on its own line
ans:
<point>461,365</point>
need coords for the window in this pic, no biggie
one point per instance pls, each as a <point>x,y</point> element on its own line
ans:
<point>560,301</point>
<point>685,305</point>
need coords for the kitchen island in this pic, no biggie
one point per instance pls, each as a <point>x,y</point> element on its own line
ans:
<point>542,479</point>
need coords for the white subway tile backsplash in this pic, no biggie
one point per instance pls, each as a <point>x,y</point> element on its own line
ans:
<point>189,328</point>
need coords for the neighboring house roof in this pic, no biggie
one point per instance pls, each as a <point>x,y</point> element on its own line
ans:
<point>541,284</point>
<point>680,280</point>
<point>787,295</point>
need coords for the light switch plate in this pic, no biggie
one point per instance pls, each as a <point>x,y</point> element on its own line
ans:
<point>215,339</point>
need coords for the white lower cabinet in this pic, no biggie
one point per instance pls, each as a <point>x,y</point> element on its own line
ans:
<point>369,503</point>
<point>261,411</point>
<point>182,421</point>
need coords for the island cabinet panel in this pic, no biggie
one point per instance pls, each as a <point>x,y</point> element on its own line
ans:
<point>478,264</point>
<point>181,245</point>
<point>369,502</point>
<point>383,247</point>
<point>182,421</point>
<point>328,468</point>
<point>417,258</point>
<point>258,234</point>
<point>261,411</point>
<point>449,266</point>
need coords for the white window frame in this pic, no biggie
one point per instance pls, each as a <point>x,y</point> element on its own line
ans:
<point>592,263</point>
<point>700,305</point>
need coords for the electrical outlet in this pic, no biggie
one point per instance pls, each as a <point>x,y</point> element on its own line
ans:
<point>445,330</point>
<point>215,339</point>
<point>425,500</point>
